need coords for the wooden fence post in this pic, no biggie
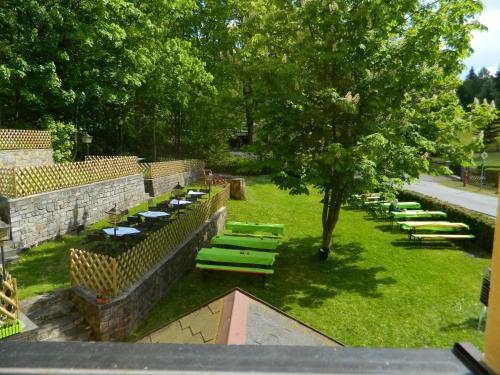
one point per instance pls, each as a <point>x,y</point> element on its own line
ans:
<point>492,334</point>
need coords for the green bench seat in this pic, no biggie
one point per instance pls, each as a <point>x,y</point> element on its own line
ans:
<point>258,243</point>
<point>443,236</point>
<point>238,226</point>
<point>218,255</point>
<point>242,234</point>
<point>234,260</point>
<point>216,267</point>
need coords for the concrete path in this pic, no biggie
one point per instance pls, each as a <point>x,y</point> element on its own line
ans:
<point>473,201</point>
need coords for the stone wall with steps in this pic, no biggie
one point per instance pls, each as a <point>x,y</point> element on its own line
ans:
<point>56,318</point>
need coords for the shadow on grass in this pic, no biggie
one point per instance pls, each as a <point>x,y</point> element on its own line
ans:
<point>300,279</point>
<point>434,245</point>
<point>470,323</point>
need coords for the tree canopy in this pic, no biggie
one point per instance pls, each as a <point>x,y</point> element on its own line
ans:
<point>344,95</point>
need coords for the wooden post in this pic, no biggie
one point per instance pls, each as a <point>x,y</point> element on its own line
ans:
<point>238,190</point>
<point>492,334</point>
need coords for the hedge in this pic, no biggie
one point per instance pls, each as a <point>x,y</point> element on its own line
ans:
<point>483,227</point>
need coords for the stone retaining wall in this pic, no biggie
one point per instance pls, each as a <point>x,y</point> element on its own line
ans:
<point>116,320</point>
<point>160,185</point>
<point>26,157</point>
<point>44,216</point>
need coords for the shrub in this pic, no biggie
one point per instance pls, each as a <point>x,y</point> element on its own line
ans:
<point>481,226</point>
<point>236,165</point>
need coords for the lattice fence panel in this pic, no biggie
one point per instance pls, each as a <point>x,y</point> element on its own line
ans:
<point>42,178</point>
<point>93,271</point>
<point>9,303</point>
<point>14,139</point>
<point>168,168</point>
<point>133,264</point>
<point>7,185</point>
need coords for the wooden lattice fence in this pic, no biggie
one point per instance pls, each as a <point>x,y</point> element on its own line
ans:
<point>9,303</point>
<point>7,182</point>
<point>99,272</point>
<point>168,168</point>
<point>14,139</point>
<point>24,181</point>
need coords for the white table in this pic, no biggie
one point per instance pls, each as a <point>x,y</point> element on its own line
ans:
<point>177,202</point>
<point>153,214</point>
<point>121,231</point>
<point>196,193</point>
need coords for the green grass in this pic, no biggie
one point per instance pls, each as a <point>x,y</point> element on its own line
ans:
<point>45,268</point>
<point>374,290</point>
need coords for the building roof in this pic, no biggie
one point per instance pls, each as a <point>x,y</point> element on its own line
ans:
<point>238,318</point>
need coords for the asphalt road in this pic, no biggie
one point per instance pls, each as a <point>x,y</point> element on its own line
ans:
<point>473,201</point>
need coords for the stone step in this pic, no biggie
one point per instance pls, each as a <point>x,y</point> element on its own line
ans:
<point>58,327</point>
<point>51,312</point>
<point>44,300</point>
<point>11,259</point>
<point>78,333</point>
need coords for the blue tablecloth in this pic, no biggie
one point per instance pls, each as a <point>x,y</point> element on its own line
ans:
<point>181,202</point>
<point>153,214</point>
<point>121,231</point>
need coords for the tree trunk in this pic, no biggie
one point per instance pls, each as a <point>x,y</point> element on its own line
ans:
<point>249,106</point>
<point>237,189</point>
<point>332,203</point>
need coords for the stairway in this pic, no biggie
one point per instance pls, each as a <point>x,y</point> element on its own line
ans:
<point>10,251</point>
<point>56,317</point>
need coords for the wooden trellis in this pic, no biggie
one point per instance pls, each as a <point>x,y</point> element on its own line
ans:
<point>7,182</point>
<point>95,272</point>
<point>20,182</point>
<point>9,303</point>
<point>168,168</point>
<point>14,139</point>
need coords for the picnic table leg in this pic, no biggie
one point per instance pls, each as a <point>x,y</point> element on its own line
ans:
<point>263,279</point>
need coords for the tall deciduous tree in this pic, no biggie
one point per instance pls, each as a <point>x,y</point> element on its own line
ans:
<point>362,93</point>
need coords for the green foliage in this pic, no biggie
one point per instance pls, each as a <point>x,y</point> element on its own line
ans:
<point>363,93</point>
<point>236,165</point>
<point>63,138</point>
<point>481,226</point>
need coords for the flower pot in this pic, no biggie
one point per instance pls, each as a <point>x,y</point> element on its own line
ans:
<point>323,253</point>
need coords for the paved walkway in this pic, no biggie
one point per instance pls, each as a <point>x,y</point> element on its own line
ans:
<point>472,201</point>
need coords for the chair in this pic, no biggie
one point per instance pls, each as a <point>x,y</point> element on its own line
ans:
<point>131,220</point>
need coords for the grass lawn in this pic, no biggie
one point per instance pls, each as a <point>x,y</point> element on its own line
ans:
<point>375,290</point>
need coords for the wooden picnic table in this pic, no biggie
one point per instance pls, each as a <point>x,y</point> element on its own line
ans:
<point>260,243</point>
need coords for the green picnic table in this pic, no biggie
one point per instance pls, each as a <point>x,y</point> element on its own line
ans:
<point>404,205</point>
<point>232,260</point>
<point>238,226</point>
<point>420,214</point>
<point>260,243</point>
<point>432,226</point>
